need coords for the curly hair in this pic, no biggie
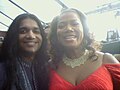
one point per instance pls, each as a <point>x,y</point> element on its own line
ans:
<point>88,42</point>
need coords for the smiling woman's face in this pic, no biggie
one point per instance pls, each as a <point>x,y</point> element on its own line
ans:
<point>30,38</point>
<point>70,30</point>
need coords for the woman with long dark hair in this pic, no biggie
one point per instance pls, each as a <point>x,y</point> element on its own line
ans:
<point>23,55</point>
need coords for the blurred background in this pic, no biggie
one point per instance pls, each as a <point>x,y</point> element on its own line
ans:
<point>103,16</point>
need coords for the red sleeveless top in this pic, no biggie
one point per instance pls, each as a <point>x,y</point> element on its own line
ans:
<point>107,77</point>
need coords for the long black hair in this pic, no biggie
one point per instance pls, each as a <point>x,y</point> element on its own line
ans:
<point>57,50</point>
<point>9,53</point>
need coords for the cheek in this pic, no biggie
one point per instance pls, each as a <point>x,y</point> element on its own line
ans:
<point>79,33</point>
<point>20,38</point>
<point>59,36</point>
<point>40,39</point>
<point>80,36</point>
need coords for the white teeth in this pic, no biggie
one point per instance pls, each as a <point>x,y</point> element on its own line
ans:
<point>68,37</point>
<point>31,43</point>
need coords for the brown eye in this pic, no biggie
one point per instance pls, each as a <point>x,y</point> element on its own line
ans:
<point>36,30</point>
<point>61,26</point>
<point>23,30</point>
<point>75,23</point>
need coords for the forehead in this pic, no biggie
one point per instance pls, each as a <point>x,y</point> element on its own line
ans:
<point>68,16</point>
<point>28,22</point>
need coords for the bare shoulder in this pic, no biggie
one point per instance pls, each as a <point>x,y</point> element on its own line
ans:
<point>107,57</point>
<point>117,56</point>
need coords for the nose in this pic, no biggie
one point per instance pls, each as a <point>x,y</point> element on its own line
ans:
<point>69,27</point>
<point>30,35</point>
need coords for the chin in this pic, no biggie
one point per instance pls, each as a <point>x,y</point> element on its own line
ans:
<point>71,46</point>
<point>29,52</point>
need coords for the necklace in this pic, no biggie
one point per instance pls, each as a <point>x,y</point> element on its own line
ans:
<point>76,62</point>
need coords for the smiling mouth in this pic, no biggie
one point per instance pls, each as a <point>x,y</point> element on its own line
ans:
<point>30,43</point>
<point>70,37</point>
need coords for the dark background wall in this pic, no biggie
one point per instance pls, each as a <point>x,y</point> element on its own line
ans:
<point>111,47</point>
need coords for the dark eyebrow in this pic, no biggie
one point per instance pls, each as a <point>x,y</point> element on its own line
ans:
<point>74,20</point>
<point>61,22</point>
<point>28,28</point>
<point>36,28</point>
<point>65,21</point>
<point>22,27</point>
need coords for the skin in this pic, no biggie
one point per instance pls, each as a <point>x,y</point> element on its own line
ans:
<point>70,30</point>
<point>117,56</point>
<point>30,38</point>
<point>70,35</point>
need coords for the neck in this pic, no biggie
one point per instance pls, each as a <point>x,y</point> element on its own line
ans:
<point>28,58</point>
<point>74,53</point>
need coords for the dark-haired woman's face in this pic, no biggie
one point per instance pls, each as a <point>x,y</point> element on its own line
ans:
<point>70,30</point>
<point>30,38</point>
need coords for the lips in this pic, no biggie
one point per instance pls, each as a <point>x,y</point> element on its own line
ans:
<point>30,43</point>
<point>69,37</point>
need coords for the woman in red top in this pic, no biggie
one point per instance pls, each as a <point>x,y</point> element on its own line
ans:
<point>76,65</point>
